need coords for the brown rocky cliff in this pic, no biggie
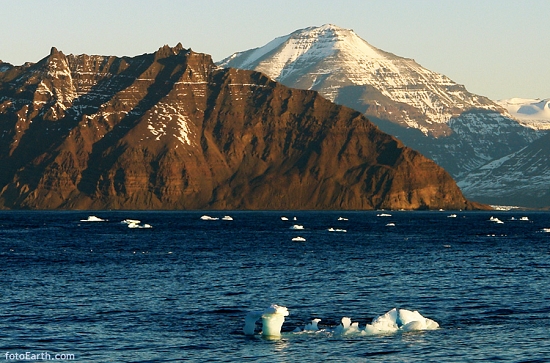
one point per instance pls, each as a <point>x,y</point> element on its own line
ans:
<point>170,130</point>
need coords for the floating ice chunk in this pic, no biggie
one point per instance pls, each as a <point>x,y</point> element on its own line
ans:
<point>347,327</point>
<point>250,322</point>
<point>412,320</point>
<point>208,218</point>
<point>135,223</point>
<point>336,230</point>
<point>93,219</point>
<point>390,225</point>
<point>547,230</point>
<point>383,215</point>
<point>298,239</point>
<point>496,220</point>
<point>393,321</point>
<point>227,218</point>
<point>297,226</point>
<point>385,323</point>
<point>312,326</point>
<point>401,319</point>
<point>272,321</point>
<point>451,216</point>
<point>284,218</point>
<point>342,219</point>
<point>524,219</point>
<point>131,221</point>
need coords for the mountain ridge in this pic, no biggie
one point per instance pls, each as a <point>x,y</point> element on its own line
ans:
<point>171,130</point>
<point>427,111</point>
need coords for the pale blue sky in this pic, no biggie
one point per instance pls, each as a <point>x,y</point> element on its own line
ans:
<point>496,48</point>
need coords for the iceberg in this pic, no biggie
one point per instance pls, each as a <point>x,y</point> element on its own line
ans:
<point>135,223</point>
<point>93,219</point>
<point>297,226</point>
<point>131,221</point>
<point>496,220</point>
<point>272,321</point>
<point>298,239</point>
<point>208,218</point>
<point>395,320</point>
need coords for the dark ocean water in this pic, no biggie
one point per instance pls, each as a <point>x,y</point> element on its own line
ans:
<point>180,290</point>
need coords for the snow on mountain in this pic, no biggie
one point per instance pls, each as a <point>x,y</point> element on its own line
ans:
<point>520,178</point>
<point>426,110</point>
<point>329,58</point>
<point>533,113</point>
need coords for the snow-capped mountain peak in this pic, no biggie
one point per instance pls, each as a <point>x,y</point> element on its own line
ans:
<point>329,58</point>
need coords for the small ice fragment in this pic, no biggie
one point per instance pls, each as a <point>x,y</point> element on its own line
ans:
<point>313,325</point>
<point>208,218</point>
<point>93,219</point>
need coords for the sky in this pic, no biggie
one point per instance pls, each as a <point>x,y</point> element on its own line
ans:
<point>496,48</point>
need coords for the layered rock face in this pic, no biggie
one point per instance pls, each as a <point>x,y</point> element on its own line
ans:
<point>426,110</point>
<point>171,130</point>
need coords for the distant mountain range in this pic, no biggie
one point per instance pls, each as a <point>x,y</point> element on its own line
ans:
<point>429,112</point>
<point>533,113</point>
<point>171,130</point>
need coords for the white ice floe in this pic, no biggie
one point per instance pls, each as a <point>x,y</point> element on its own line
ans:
<point>227,218</point>
<point>284,218</point>
<point>547,230</point>
<point>390,225</point>
<point>342,219</point>
<point>297,226</point>
<point>337,230</point>
<point>524,219</point>
<point>393,321</point>
<point>496,220</point>
<point>131,221</point>
<point>451,216</point>
<point>298,239</point>
<point>208,218</point>
<point>135,223</point>
<point>383,215</point>
<point>93,219</point>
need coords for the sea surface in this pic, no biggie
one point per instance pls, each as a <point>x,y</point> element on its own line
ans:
<point>179,291</point>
